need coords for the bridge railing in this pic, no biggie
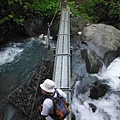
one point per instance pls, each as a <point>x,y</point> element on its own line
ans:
<point>62,64</point>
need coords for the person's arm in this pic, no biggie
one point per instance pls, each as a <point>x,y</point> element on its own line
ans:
<point>48,118</point>
<point>62,93</point>
<point>45,111</point>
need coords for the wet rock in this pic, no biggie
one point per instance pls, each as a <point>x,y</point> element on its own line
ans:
<point>92,64</point>
<point>73,79</point>
<point>93,107</point>
<point>34,27</point>
<point>85,84</point>
<point>101,38</point>
<point>73,116</point>
<point>110,56</point>
<point>98,90</point>
<point>76,25</point>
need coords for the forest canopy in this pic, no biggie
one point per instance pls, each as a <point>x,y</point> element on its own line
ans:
<point>105,11</point>
<point>17,11</point>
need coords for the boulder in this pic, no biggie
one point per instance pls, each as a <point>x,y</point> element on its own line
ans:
<point>110,56</point>
<point>98,90</point>
<point>76,25</point>
<point>92,64</point>
<point>101,38</point>
<point>93,107</point>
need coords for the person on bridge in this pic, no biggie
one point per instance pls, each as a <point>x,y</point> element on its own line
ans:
<point>48,89</point>
<point>63,4</point>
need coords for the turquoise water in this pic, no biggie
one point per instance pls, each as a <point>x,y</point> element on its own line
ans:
<point>17,67</point>
<point>18,62</point>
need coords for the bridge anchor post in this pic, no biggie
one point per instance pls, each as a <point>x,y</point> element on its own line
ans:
<point>49,37</point>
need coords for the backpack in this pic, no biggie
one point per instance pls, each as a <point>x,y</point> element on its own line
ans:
<point>61,107</point>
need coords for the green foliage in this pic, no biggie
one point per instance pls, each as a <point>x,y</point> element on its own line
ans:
<point>19,10</point>
<point>93,10</point>
<point>100,11</point>
<point>45,8</point>
<point>73,9</point>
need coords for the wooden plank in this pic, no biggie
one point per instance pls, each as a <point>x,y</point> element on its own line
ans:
<point>58,67</point>
<point>69,72</point>
<point>62,68</point>
<point>67,18</point>
<point>66,28</point>
<point>61,31</point>
<point>67,44</point>
<point>57,44</point>
<point>69,28</point>
<point>63,16</point>
<point>64,72</point>
<point>66,48</point>
<point>68,40</point>
<point>62,64</point>
<point>60,46</point>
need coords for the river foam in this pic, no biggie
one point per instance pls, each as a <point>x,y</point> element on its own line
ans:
<point>9,53</point>
<point>108,107</point>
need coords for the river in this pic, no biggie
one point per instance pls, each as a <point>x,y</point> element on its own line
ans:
<point>18,62</point>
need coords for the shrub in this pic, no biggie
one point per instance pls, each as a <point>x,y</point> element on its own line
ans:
<point>19,10</point>
<point>105,11</point>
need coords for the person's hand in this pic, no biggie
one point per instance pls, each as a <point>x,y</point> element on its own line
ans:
<point>40,107</point>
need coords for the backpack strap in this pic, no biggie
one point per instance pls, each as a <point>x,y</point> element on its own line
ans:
<point>58,95</point>
<point>54,116</point>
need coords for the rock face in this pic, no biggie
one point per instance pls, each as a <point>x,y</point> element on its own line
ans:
<point>76,25</point>
<point>34,27</point>
<point>92,64</point>
<point>101,38</point>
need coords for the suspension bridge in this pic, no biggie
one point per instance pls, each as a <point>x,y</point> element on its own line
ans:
<point>62,64</point>
<point>27,97</point>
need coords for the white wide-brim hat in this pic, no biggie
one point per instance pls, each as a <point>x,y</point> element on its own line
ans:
<point>48,86</point>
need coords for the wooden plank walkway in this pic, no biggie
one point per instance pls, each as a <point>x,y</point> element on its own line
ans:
<point>62,65</point>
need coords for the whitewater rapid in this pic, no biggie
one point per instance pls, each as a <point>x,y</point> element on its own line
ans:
<point>108,107</point>
<point>9,53</point>
<point>18,60</point>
